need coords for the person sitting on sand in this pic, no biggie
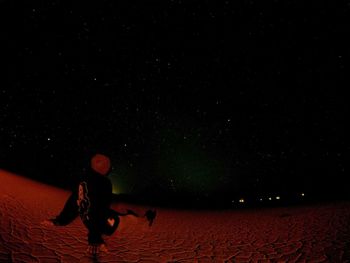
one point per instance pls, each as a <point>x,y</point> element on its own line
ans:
<point>91,201</point>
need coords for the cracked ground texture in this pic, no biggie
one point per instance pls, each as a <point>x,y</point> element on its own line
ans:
<point>318,233</point>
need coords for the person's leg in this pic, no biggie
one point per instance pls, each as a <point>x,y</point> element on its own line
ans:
<point>94,231</point>
<point>95,240</point>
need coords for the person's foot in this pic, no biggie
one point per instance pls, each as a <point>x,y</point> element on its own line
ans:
<point>94,249</point>
<point>150,216</point>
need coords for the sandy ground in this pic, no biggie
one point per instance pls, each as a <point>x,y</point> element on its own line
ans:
<point>300,234</point>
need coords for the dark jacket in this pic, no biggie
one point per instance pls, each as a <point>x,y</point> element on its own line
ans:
<point>91,199</point>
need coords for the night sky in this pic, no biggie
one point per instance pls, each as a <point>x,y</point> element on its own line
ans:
<point>188,98</point>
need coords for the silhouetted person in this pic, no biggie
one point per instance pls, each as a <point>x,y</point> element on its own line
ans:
<point>91,200</point>
<point>150,215</point>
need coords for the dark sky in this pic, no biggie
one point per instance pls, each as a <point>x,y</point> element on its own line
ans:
<point>186,97</point>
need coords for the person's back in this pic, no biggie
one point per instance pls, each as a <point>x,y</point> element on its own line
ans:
<point>97,192</point>
<point>91,200</point>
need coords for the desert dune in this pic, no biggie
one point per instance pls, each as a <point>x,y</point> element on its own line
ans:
<point>310,233</point>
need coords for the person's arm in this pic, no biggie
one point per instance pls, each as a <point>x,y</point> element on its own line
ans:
<point>69,212</point>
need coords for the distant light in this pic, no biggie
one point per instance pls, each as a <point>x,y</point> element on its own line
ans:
<point>233,201</point>
<point>241,200</point>
<point>49,139</point>
<point>278,197</point>
<point>270,198</point>
<point>302,194</point>
<point>261,199</point>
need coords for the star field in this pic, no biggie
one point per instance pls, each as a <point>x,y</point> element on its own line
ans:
<point>192,98</point>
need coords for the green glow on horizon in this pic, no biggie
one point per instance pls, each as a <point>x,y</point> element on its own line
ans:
<point>189,169</point>
<point>122,179</point>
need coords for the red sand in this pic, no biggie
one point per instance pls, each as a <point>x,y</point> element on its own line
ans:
<point>299,234</point>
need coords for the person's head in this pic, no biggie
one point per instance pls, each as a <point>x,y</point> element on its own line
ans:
<point>101,164</point>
